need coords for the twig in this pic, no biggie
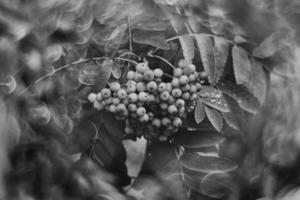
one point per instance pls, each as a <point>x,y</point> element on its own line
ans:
<point>163,59</point>
<point>125,59</point>
<point>181,172</point>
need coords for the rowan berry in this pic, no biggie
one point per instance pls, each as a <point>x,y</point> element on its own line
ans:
<point>161,87</point>
<point>190,68</point>
<point>131,88</point>
<point>175,82</point>
<point>92,97</point>
<point>141,67</point>
<point>193,89</point>
<point>169,87</point>
<point>156,123</point>
<point>98,105</point>
<point>141,111</point>
<point>130,75</point>
<point>148,75</point>
<point>143,96</point>
<point>192,77</point>
<point>165,121</point>
<point>182,63</point>
<point>132,107</point>
<point>112,108</point>
<point>180,103</point>
<point>144,118</point>
<point>171,100</point>
<point>140,86</point>
<point>128,130</point>
<point>151,98</point>
<point>99,97</point>
<point>163,106</point>
<point>177,122</point>
<point>176,92</point>
<point>122,94</point>
<point>158,73</point>
<point>105,93</point>
<point>121,108</point>
<point>172,109</point>
<point>108,100</point>
<point>133,97</point>
<point>177,72</point>
<point>203,75</point>
<point>151,86</point>
<point>198,86</point>
<point>186,96</point>
<point>138,76</point>
<point>183,80</point>
<point>115,86</point>
<point>165,95</point>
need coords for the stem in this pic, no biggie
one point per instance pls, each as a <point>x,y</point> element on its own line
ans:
<point>163,59</point>
<point>181,172</point>
<point>125,59</point>
<point>194,34</point>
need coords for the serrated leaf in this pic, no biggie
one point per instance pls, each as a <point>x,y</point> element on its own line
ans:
<point>116,70</point>
<point>88,79</point>
<point>272,44</point>
<point>242,67</point>
<point>216,185</point>
<point>199,112</point>
<point>104,73</point>
<point>205,45</point>
<point>214,98</point>
<point>153,38</point>
<point>188,48</point>
<point>259,81</point>
<point>235,118</point>
<point>221,52</point>
<point>206,164</point>
<point>198,139</point>
<point>241,94</point>
<point>214,117</point>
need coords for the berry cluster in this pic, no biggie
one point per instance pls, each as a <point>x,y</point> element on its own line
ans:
<point>150,107</point>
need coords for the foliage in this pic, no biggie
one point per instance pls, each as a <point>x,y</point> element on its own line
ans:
<point>54,54</point>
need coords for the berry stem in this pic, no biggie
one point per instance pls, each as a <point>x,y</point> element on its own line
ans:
<point>127,60</point>
<point>163,59</point>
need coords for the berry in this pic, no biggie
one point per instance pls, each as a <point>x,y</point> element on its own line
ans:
<point>108,101</point>
<point>112,108</point>
<point>177,122</point>
<point>165,121</point>
<point>128,130</point>
<point>156,123</point>
<point>182,63</point>
<point>115,101</point>
<point>99,97</point>
<point>98,105</point>
<point>121,108</point>
<point>122,94</point>
<point>186,96</point>
<point>130,75</point>
<point>158,73</point>
<point>133,97</point>
<point>193,97</point>
<point>149,75</point>
<point>125,101</point>
<point>169,87</point>
<point>186,88</point>
<point>92,97</point>
<point>177,72</point>
<point>132,107</point>
<point>171,100</point>
<point>192,77</point>
<point>141,111</point>
<point>172,109</point>
<point>180,103</point>
<point>161,87</point>
<point>144,118</point>
<point>140,86</point>
<point>175,82</point>
<point>176,92</point>
<point>198,86</point>
<point>165,95</point>
<point>151,98</point>
<point>193,89</point>
<point>138,77</point>
<point>141,67</point>
<point>115,86</point>
<point>151,86</point>
<point>183,80</point>
<point>163,106</point>
<point>131,88</point>
<point>190,68</point>
<point>143,96</point>
<point>203,75</point>
<point>105,93</point>
<point>181,111</point>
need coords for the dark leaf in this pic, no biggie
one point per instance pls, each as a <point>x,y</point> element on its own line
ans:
<point>114,127</point>
<point>198,139</point>
<point>214,98</point>
<point>272,44</point>
<point>242,67</point>
<point>199,112</point>
<point>205,45</point>
<point>217,185</point>
<point>259,81</point>
<point>206,164</point>
<point>241,94</point>
<point>188,48</point>
<point>221,52</point>
<point>235,118</point>
<point>214,117</point>
<point>153,38</point>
